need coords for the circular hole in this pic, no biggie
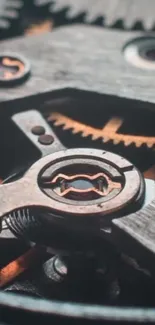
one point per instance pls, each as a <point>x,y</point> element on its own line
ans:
<point>150,54</point>
<point>141,53</point>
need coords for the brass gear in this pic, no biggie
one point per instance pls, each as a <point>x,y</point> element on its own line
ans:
<point>107,133</point>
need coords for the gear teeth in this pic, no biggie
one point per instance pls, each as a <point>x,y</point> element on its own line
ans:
<point>127,143</point>
<point>74,131</point>
<point>65,127</point>
<point>85,134</point>
<point>72,13</point>
<point>106,139</point>
<point>138,145</point>
<point>128,12</point>
<point>116,141</point>
<point>108,133</point>
<point>57,123</point>
<point>150,145</point>
<point>95,137</point>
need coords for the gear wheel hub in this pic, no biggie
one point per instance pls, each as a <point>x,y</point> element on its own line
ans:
<point>79,192</point>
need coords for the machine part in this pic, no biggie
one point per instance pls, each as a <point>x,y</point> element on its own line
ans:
<point>9,11</point>
<point>89,175</point>
<point>141,53</point>
<point>37,130</point>
<point>14,69</point>
<point>55,269</point>
<point>90,82</point>
<point>47,139</point>
<point>43,210</point>
<point>82,186</point>
<point>127,12</point>
<point>108,133</point>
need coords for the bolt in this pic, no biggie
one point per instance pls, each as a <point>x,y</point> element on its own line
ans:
<point>60,266</point>
<point>55,269</point>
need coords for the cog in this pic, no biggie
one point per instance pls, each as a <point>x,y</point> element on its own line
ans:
<point>110,12</point>
<point>107,133</point>
<point>9,11</point>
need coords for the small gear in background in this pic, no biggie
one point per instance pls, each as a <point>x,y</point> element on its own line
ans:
<point>9,17</point>
<point>126,14</point>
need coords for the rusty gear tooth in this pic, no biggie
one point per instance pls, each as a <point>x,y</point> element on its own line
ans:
<point>75,131</point>
<point>106,139</point>
<point>116,141</point>
<point>58,123</point>
<point>127,143</point>
<point>138,145</point>
<point>150,145</point>
<point>95,137</point>
<point>65,127</point>
<point>85,134</point>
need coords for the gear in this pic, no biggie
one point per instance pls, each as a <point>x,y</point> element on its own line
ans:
<point>9,11</point>
<point>107,133</point>
<point>111,12</point>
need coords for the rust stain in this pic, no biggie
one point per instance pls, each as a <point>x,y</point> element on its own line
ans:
<point>12,63</point>
<point>150,173</point>
<point>18,266</point>
<point>43,27</point>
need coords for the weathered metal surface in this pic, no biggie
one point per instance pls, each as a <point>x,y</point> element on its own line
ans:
<point>32,194</point>
<point>27,121</point>
<point>61,63</point>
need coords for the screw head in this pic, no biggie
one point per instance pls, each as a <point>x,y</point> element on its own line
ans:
<point>46,139</point>
<point>38,130</point>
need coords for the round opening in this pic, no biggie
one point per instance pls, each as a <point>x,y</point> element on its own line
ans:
<point>140,52</point>
<point>148,53</point>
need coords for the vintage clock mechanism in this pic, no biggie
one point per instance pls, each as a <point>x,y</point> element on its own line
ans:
<point>76,206</point>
